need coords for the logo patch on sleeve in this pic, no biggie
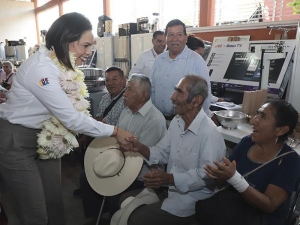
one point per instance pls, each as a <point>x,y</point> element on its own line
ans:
<point>44,82</point>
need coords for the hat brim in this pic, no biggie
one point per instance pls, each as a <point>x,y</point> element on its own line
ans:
<point>110,186</point>
<point>145,197</point>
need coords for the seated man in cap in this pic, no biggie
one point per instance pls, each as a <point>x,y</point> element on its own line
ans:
<point>142,119</point>
<point>191,142</point>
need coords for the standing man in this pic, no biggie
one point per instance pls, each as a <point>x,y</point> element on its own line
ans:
<point>191,142</point>
<point>146,59</point>
<point>172,65</point>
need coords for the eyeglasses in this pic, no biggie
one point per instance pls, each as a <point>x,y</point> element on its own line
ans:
<point>178,34</point>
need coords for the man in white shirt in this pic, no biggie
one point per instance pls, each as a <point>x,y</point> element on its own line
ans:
<point>142,119</point>
<point>191,142</point>
<point>172,65</point>
<point>146,59</point>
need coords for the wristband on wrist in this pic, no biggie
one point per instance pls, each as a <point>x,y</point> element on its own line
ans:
<point>238,182</point>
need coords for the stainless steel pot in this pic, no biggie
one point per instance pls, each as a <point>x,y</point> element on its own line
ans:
<point>91,73</point>
<point>95,85</point>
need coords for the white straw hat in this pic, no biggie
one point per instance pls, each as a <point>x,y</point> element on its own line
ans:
<point>145,197</point>
<point>108,170</point>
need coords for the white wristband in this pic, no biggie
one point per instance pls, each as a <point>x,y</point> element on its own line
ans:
<point>238,182</point>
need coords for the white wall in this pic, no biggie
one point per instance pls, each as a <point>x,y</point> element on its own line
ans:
<point>17,21</point>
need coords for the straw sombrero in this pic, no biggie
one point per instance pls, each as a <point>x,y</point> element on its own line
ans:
<point>109,171</point>
<point>145,197</point>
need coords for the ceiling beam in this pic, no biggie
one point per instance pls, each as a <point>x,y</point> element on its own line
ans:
<point>49,5</point>
<point>106,7</point>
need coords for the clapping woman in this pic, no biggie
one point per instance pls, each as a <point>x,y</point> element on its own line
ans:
<point>268,189</point>
<point>45,109</point>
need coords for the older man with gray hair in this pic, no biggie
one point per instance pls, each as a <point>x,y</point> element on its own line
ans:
<point>191,142</point>
<point>141,118</point>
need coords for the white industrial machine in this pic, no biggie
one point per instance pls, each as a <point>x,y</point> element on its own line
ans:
<point>121,51</point>
<point>105,54</point>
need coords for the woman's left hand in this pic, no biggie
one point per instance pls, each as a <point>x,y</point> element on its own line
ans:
<point>223,170</point>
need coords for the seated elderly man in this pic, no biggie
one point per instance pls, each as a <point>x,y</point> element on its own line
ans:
<point>111,104</point>
<point>141,118</point>
<point>191,142</point>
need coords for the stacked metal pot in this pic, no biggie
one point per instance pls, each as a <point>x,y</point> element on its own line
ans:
<point>93,79</point>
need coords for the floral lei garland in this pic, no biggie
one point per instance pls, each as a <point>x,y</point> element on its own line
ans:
<point>55,140</point>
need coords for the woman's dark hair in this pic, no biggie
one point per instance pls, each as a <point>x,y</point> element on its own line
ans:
<point>285,115</point>
<point>194,42</point>
<point>65,30</point>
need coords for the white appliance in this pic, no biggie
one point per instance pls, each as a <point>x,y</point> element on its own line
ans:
<point>105,53</point>
<point>10,52</point>
<point>22,52</point>
<point>16,52</point>
<point>139,44</point>
<point>122,53</point>
<point>2,51</point>
<point>113,50</point>
<point>121,48</point>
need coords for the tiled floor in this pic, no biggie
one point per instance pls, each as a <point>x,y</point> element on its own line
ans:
<point>70,181</point>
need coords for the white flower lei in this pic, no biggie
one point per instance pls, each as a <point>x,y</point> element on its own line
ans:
<point>55,140</point>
